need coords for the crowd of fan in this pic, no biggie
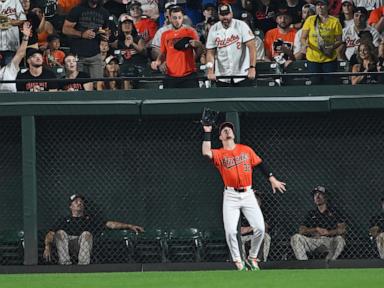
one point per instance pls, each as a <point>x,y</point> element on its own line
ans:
<point>98,39</point>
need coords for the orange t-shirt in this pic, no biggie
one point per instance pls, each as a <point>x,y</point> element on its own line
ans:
<point>58,55</point>
<point>235,166</point>
<point>65,6</point>
<point>273,35</point>
<point>180,63</point>
<point>375,15</point>
<point>146,28</point>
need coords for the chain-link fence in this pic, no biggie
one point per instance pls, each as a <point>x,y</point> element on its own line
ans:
<point>150,172</point>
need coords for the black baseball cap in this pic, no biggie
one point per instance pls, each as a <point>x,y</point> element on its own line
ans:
<point>32,51</point>
<point>360,10</point>
<point>74,197</point>
<point>225,9</point>
<point>320,189</point>
<point>226,124</point>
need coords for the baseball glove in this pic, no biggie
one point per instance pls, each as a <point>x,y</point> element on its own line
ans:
<point>209,117</point>
<point>182,44</point>
<point>4,22</point>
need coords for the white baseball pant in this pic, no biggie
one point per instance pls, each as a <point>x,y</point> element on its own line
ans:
<point>233,203</point>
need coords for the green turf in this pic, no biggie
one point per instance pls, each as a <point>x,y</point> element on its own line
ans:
<point>325,278</point>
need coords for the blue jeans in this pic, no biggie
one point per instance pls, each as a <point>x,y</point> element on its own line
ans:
<point>314,67</point>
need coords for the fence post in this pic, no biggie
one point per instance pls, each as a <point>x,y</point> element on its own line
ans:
<point>29,189</point>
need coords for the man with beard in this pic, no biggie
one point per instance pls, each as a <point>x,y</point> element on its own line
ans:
<point>179,47</point>
<point>76,232</point>
<point>87,25</point>
<point>9,72</point>
<point>36,71</point>
<point>234,43</point>
<point>235,163</point>
<point>278,42</point>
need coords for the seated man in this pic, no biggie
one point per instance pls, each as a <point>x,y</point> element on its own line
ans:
<point>247,233</point>
<point>323,229</point>
<point>377,230</point>
<point>77,231</point>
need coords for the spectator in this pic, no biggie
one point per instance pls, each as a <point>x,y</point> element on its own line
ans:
<point>209,12</point>
<point>247,234</point>
<point>346,15</point>
<point>112,70</point>
<point>294,9</point>
<point>233,55</point>
<point>351,38</point>
<point>87,25</point>
<point>334,7</point>
<point>367,62</point>
<point>369,4</point>
<point>278,42</point>
<point>146,27</point>
<point>150,8</point>
<point>53,56</point>
<point>35,22</point>
<point>260,51</point>
<point>376,229</point>
<point>104,50</point>
<point>36,71</point>
<point>299,50</point>
<point>264,12</point>
<point>45,28</point>
<point>13,16</point>
<point>376,19</point>
<point>9,71</point>
<point>323,229</point>
<point>321,37</point>
<point>180,58</point>
<point>71,72</point>
<point>77,231</point>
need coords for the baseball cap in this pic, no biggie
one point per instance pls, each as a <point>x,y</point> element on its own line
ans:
<point>169,5</point>
<point>74,197</point>
<point>125,17</point>
<point>321,1</point>
<point>360,10</point>
<point>226,124</point>
<point>32,51</point>
<point>310,7</point>
<point>182,44</point>
<point>320,189</point>
<point>347,1</point>
<point>110,58</point>
<point>225,9</point>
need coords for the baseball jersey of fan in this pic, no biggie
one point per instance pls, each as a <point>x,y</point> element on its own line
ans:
<point>273,36</point>
<point>232,53</point>
<point>352,39</point>
<point>235,166</point>
<point>9,38</point>
<point>180,63</point>
<point>8,72</point>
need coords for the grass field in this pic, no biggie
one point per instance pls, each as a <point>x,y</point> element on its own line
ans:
<point>367,278</point>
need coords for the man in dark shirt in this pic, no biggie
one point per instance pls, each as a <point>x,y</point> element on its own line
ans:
<point>87,24</point>
<point>377,229</point>
<point>76,231</point>
<point>36,71</point>
<point>323,229</point>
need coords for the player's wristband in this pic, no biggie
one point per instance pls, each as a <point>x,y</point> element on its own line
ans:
<point>207,136</point>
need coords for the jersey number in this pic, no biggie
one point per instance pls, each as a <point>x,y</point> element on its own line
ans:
<point>247,167</point>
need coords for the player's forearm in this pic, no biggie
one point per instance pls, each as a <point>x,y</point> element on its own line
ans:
<point>252,52</point>
<point>210,58</point>
<point>117,225</point>
<point>206,148</point>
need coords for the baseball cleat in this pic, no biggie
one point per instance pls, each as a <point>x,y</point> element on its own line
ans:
<point>240,266</point>
<point>253,263</point>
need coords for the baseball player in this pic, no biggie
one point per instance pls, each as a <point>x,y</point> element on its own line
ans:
<point>233,43</point>
<point>9,33</point>
<point>235,163</point>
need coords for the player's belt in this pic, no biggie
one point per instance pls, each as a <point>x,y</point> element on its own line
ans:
<point>240,189</point>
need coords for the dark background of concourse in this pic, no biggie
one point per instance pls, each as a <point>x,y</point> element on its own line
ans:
<point>150,172</point>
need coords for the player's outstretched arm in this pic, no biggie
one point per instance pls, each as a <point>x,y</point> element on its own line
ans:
<point>206,147</point>
<point>277,185</point>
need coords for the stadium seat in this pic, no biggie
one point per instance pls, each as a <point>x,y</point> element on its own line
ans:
<point>150,246</point>
<point>11,247</point>
<point>297,67</point>
<point>215,246</point>
<point>267,68</point>
<point>114,246</point>
<point>185,245</point>
<point>343,66</point>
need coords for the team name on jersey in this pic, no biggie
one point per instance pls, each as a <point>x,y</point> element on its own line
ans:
<point>350,42</point>
<point>36,86</point>
<point>8,11</point>
<point>229,162</point>
<point>220,43</point>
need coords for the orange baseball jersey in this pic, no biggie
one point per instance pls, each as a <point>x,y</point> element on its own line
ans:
<point>235,166</point>
<point>180,63</point>
<point>146,28</point>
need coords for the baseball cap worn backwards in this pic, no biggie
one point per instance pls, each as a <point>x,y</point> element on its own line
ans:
<point>226,124</point>
<point>320,189</point>
<point>225,9</point>
<point>75,196</point>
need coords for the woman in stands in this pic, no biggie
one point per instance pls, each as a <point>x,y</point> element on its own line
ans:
<point>71,72</point>
<point>112,70</point>
<point>367,62</point>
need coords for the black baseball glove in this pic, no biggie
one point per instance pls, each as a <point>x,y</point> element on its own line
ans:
<point>182,44</point>
<point>209,117</point>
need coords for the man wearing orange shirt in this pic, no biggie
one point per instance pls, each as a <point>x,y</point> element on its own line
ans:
<point>376,19</point>
<point>278,42</point>
<point>179,47</point>
<point>235,163</point>
<point>146,27</point>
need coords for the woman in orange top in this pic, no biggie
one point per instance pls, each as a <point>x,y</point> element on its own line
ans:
<point>45,28</point>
